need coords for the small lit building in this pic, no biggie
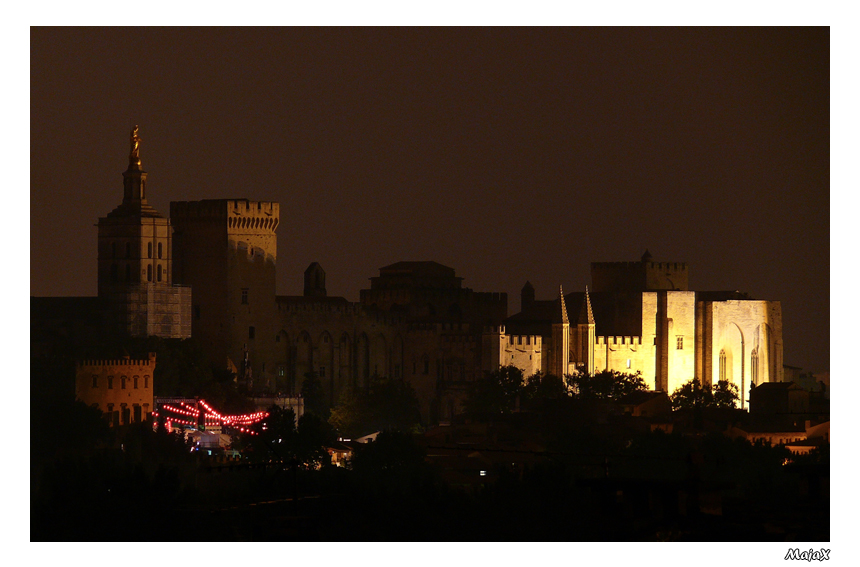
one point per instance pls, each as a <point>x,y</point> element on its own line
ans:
<point>122,388</point>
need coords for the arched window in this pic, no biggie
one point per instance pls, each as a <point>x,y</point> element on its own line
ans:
<point>159,249</point>
<point>149,273</point>
<point>110,382</point>
<point>146,381</point>
<point>754,367</point>
<point>122,380</point>
<point>158,273</point>
<point>722,364</point>
<point>149,249</point>
<point>136,378</point>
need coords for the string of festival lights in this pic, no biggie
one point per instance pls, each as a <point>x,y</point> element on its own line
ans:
<point>211,417</point>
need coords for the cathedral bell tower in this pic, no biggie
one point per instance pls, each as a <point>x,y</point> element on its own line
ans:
<point>134,262</point>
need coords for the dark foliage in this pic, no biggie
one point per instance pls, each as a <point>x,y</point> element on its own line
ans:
<point>388,404</point>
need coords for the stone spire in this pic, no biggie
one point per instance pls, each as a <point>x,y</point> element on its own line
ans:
<point>586,317</point>
<point>561,314</point>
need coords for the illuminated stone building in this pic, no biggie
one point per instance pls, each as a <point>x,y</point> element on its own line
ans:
<point>135,264</point>
<point>122,388</point>
<point>209,271</point>
<point>640,317</point>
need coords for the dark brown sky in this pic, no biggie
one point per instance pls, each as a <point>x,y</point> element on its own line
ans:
<point>510,155</point>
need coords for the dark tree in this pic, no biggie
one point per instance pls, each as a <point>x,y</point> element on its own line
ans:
<point>605,385</point>
<point>544,387</point>
<point>725,395</point>
<point>314,396</point>
<point>386,404</point>
<point>691,395</point>
<point>496,393</point>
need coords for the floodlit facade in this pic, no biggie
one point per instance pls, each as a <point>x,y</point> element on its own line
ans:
<point>639,317</point>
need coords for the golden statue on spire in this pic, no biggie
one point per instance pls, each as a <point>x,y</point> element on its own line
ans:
<point>134,156</point>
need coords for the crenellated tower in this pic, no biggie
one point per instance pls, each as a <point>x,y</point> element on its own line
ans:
<point>226,250</point>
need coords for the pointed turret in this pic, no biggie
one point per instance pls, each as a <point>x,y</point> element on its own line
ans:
<point>527,295</point>
<point>646,257</point>
<point>560,315</point>
<point>584,341</point>
<point>586,316</point>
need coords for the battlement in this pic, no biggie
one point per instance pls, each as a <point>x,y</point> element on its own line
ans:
<point>519,341</point>
<point>290,305</point>
<point>619,341</point>
<point>238,215</point>
<point>677,266</point>
<point>644,275</point>
<point>494,329</point>
<point>125,361</point>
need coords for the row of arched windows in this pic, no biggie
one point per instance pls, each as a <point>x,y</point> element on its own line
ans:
<point>124,381</point>
<point>159,250</point>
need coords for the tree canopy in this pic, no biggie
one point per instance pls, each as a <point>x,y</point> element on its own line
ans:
<point>692,394</point>
<point>387,404</point>
<point>604,385</point>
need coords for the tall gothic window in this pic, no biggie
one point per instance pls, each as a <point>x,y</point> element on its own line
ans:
<point>149,273</point>
<point>159,249</point>
<point>149,249</point>
<point>158,273</point>
<point>722,364</point>
<point>754,367</point>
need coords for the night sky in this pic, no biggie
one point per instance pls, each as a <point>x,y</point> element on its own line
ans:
<point>507,154</point>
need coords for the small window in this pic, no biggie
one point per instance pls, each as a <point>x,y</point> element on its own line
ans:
<point>629,363</point>
<point>149,273</point>
<point>159,249</point>
<point>146,381</point>
<point>122,382</point>
<point>251,332</point>
<point>680,342</point>
<point>110,382</point>
<point>149,249</point>
<point>158,273</point>
<point>95,381</point>
<point>322,371</point>
<point>136,378</point>
<point>245,296</point>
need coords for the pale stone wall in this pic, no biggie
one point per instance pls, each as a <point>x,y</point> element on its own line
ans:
<point>732,332</point>
<point>681,338</point>
<point>117,385</point>
<point>627,355</point>
<point>526,353</point>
